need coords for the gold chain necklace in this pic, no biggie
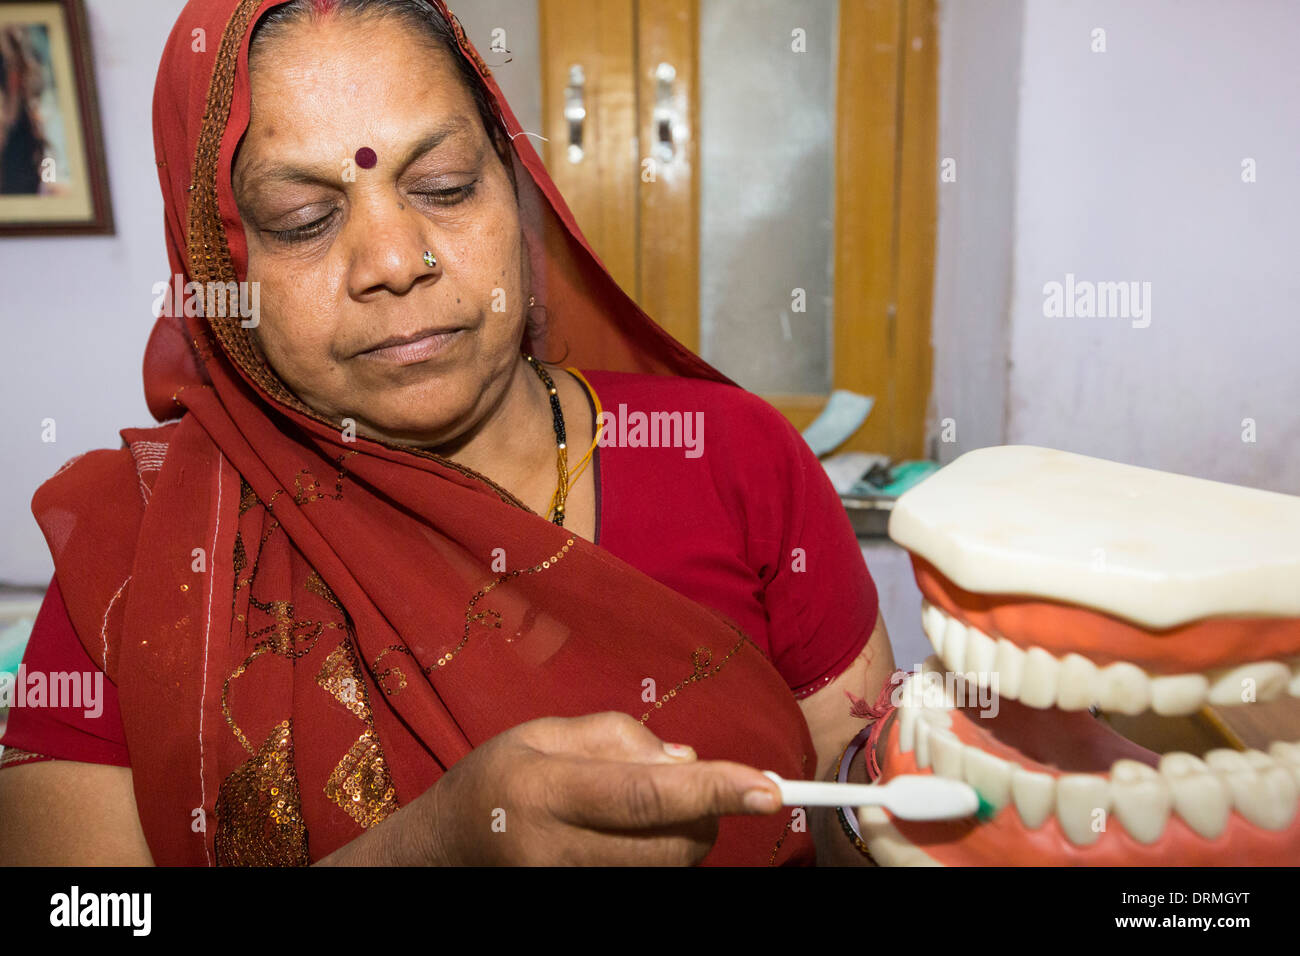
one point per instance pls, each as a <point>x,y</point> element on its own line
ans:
<point>562,453</point>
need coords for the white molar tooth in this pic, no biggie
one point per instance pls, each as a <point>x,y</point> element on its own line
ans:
<point>1142,799</point>
<point>946,753</point>
<point>1262,791</point>
<point>1272,680</point>
<point>1078,798</point>
<point>1176,695</point>
<point>1283,791</point>
<point>1034,794</point>
<point>954,644</point>
<point>981,652</point>
<point>1223,760</point>
<point>1123,688</point>
<point>1199,796</point>
<point>989,775</point>
<point>1293,685</point>
<point>1077,680</point>
<point>1259,760</point>
<point>1267,798</point>
<point>1039,682</point>
<point>1267,680</point>
<point>1010,667</point>
<point>1284,752</point>
<point>1287,755</point>
<point>1179,764</point>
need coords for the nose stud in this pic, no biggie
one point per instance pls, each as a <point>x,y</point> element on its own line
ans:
<point>429,260</point>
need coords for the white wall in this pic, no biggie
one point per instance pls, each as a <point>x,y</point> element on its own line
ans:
<point>518,72</point>
<point>1122,166</point>
<point>979,76</point>
<point>1129,168</point>
<point>75,312</point>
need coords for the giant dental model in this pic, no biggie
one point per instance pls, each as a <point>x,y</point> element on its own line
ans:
<point>1062,583</point>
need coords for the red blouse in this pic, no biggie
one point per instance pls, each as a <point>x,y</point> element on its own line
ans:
<point>704,487</point>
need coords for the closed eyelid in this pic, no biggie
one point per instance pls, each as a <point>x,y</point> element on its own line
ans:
<point>247,178</point>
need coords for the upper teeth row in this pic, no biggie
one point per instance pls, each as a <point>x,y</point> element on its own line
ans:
<point>1262,787</point>
<point>1037,678</point>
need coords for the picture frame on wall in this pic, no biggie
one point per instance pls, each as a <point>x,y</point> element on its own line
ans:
<point>53,177</point>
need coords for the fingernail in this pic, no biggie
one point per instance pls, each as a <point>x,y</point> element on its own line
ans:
<point>680,751</point>
<point>760,801</point>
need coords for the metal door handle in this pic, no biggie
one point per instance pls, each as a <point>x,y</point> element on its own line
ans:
<point>665,116</point>
<point>575,110</point>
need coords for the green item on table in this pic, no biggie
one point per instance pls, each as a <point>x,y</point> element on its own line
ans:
<point>904,475</point>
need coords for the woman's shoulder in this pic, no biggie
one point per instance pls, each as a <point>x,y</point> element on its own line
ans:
<point>91,511</point>
<point>681,387</point>
<point>732,414</point>
<point>119,477</point>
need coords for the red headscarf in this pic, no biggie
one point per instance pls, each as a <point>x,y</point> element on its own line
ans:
<point>305,631</point>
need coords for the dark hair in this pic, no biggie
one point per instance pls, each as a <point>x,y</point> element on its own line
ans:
<point>421,15</point>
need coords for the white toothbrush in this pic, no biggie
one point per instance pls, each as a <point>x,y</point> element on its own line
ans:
<point>908,797</point>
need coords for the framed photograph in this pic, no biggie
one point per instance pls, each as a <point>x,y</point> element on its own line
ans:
<point>53,180</point>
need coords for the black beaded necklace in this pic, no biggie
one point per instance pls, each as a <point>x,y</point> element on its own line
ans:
<point>562,453</point>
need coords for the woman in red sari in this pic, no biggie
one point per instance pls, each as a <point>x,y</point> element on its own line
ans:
<point>377,590</point>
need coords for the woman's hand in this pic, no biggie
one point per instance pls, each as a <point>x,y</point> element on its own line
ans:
<point>593,790</point>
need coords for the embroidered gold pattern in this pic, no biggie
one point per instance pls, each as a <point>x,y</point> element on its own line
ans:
<point>701,658</point>
<point>307,487</point>
<point>771,861</point>
<point>317,586</point>
<point>803,766</point>
<point>361,784</point>
<point>225,695</point>
<point>287,634</point>
<point>247,496</point>
<point>395,672</point>
<point>340,677</point>
<point>259,822</point>
<point>487,618</point>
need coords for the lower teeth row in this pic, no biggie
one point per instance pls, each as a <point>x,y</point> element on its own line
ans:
<point>1261,787</point>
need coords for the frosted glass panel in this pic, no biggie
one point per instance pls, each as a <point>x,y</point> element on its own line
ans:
<point>767,142</point>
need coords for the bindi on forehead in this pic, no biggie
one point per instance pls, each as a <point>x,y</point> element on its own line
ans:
<point>366,158</point>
